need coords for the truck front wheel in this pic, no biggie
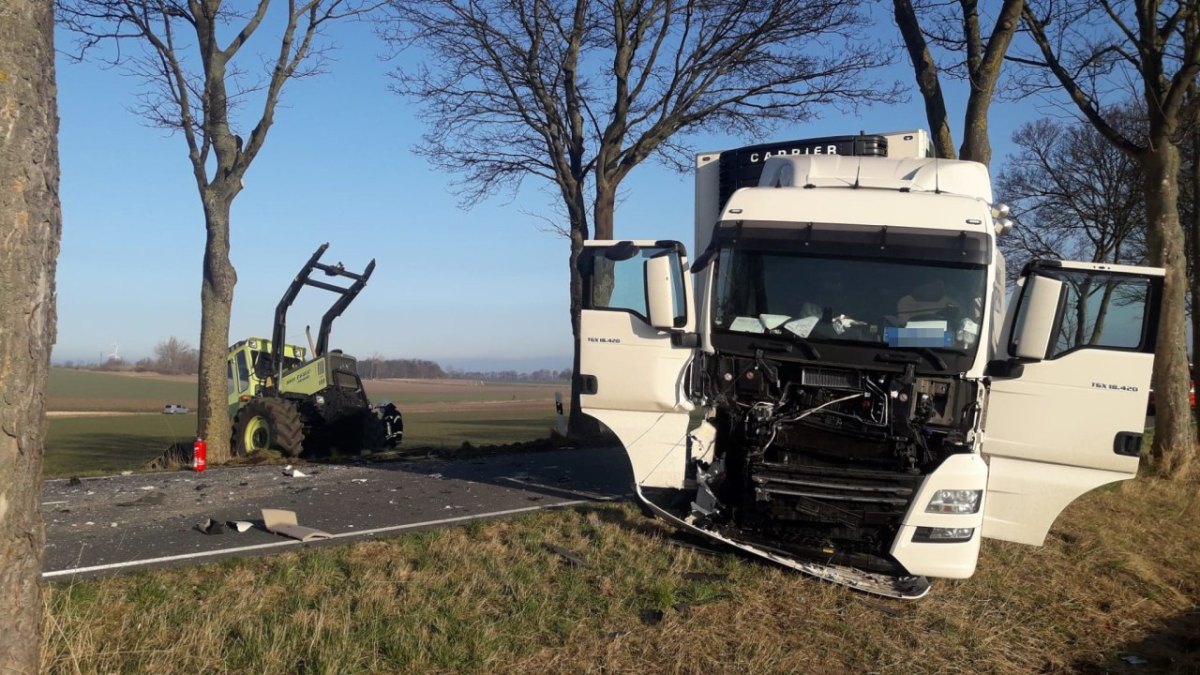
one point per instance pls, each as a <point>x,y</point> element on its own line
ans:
<point>267,423</point>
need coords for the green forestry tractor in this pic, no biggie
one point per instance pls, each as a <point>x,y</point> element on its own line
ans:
<point>281,399</point>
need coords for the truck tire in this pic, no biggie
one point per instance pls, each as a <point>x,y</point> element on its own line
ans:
<point>266,423</point>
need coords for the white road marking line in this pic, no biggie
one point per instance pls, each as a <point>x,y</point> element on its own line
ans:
<point>591,496</point>
<point>293,542</point>
<point>53,503</point>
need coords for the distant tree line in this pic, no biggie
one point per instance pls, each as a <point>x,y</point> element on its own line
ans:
<point>176,357</point>
<point>542,375</point>
<point>377,368</point>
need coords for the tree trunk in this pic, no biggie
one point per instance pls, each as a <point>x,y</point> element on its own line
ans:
<point>982,77</point>
<point>604,208</point>
<point>31,223</point>
<point>976,146</point>
<point>1194,277</point>
<point>1174,441</point>
<point>579,425</point>
<point>216,303</point>
<point>928,82</point>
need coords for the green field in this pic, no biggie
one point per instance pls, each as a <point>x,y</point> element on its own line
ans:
<point>81,446</point>
<point>70,389</point>
<point>91,445</point>
<point>86,390</point>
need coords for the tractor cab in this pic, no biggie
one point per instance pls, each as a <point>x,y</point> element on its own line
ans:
<point>249,356</point>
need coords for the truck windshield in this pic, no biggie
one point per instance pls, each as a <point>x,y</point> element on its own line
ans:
<point>886,301</point>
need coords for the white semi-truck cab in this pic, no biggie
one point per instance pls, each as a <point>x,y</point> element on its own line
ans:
<point>836,383</point>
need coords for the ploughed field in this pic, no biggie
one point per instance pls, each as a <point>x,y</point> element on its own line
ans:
<point>108,422</point>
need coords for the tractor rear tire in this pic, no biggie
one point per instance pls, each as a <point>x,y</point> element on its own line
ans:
<point>266,423</point>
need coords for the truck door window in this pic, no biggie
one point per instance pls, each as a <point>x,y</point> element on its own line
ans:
<point>620,285</point>
<point>1101,311</point>
<point>229,376</point>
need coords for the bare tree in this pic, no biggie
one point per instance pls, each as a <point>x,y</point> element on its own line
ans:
<point>1095,50</point>
<point>194,85</point>
<point>1075,196</point>
<point>32,225</point>
<point>955,28</point>
<point>175,357</point>
<point>578,93</point>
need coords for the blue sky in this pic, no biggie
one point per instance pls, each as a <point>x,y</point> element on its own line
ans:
<point>484,287</point>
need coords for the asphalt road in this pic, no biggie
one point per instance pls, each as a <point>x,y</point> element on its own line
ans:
<point>118,523</point>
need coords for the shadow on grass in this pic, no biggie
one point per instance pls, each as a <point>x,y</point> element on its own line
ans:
<point>1172,647</point>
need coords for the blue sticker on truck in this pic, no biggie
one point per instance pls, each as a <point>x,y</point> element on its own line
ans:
<point>918,337</point>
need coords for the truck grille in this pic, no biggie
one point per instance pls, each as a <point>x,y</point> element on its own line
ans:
<point>831,379</point>
<point>816,498</point>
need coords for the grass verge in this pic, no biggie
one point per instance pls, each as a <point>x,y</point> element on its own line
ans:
<point>1118,577</point>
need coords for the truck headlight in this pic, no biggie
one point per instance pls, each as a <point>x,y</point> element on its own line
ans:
<point>943,535</point>
<point>319,399</point>
<point>955,501</point>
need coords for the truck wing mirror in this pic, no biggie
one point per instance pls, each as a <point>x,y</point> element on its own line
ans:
<point>1038,316</point>
<point>660,291</point>
<point>1006,369</point>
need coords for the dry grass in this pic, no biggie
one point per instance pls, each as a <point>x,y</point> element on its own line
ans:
<point>1119,576</point>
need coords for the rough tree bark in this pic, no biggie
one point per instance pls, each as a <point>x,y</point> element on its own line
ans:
<point>1174,442</point>
<point>1194,277</point>
<point>216,304</point>
<point>981,68</point>
<point>928,81</point>
<point>30,228</point>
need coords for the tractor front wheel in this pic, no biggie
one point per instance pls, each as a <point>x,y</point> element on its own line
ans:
<point>268,423</point>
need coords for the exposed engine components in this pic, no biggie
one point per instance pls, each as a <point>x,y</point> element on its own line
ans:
<point>825,460</point>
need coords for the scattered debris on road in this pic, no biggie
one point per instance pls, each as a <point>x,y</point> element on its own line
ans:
<point>210,526</point>
<point>148,499</point>
<point>283,522</point>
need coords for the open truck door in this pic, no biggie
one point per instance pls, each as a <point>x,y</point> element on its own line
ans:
<point>636,336</point>
<point>1067,401</point>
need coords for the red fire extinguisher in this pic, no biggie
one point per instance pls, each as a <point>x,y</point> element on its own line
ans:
<point>199,455</point>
